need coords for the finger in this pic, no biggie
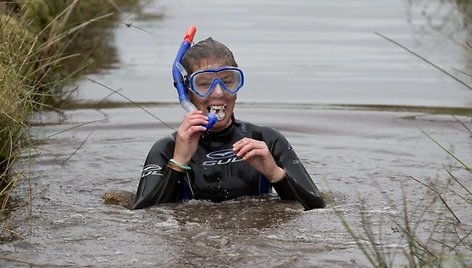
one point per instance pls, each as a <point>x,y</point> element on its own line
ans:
<point>196,129</point>
<point>186,128</point>
<point>242,148</point>
<point>195,112</point>
<point>249,147</point>
<point>193,120</point>
<point>192,130</point>
<point>255,152</point>
<point>197,121</point>
<point>192,116</point>
<point>242,142</point>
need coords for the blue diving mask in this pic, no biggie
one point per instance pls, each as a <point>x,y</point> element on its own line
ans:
<point>231,79</point>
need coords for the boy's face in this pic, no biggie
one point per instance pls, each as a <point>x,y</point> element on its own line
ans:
<point>219,101</point>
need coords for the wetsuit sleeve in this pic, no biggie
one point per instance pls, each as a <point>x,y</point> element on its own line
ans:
<point>297,184</point>
<point>158,184</point>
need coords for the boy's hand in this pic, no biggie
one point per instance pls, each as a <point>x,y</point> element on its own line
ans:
<point>259,157</point>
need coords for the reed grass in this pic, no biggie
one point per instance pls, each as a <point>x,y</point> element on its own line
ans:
<point>449,243</point>
<point>40,51</point>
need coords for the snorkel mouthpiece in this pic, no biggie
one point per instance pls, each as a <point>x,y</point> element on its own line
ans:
<point>178,73</point>
<point>212,118</point>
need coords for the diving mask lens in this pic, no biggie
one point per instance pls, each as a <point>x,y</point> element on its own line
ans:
<point>203,82</point>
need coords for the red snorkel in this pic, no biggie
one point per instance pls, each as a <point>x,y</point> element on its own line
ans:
<point>178,73</point>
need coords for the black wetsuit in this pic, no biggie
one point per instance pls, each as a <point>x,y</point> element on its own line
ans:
<point>217,174</point>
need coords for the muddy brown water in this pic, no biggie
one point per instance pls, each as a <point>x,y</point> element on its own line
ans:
<point>352,104</point>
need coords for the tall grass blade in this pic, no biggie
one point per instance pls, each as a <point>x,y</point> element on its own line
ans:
<point>462,72</point>
<point>461,240</point>
<point>357,240</point>
<point>463,124</point>
<point>377,248</point>
<point>439,195</point>
<point>447,151</point>
<point>67,129</point>
<point>411,252</point>
<point>77,149</point>
<point>108,96</point>
<point>130,24</point>
<point>131,101</point>
<point>458,181</point>
<point>425,60</point>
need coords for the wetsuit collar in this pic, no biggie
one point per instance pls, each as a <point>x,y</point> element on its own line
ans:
<point>218,135</point>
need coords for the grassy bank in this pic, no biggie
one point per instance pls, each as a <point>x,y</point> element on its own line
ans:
<point>43,44</point>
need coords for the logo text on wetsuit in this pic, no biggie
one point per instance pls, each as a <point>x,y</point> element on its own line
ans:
<point>151,169</point>
<point>221,157</point>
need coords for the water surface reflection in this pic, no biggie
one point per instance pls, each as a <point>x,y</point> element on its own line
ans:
<point>298,52</point>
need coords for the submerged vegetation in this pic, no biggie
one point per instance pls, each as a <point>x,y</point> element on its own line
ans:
<point>42,45</point>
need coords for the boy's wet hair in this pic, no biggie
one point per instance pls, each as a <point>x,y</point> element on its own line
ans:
<point>207,50</point>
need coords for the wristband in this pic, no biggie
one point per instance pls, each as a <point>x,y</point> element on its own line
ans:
<point>173,166</point>
<point>184,167</point>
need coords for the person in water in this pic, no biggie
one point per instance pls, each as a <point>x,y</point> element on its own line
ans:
<point>231,159</point>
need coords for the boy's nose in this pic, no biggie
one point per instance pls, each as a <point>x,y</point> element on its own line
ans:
<point>218,90</point>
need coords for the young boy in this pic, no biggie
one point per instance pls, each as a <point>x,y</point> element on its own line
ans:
<point>231,159</point>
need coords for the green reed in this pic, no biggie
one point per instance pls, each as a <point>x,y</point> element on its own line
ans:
<point>42,46</point>
<point>431,235</point>
<point>449,243</point>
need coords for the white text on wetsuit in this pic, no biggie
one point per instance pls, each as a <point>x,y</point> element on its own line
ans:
<point>221,157</point>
